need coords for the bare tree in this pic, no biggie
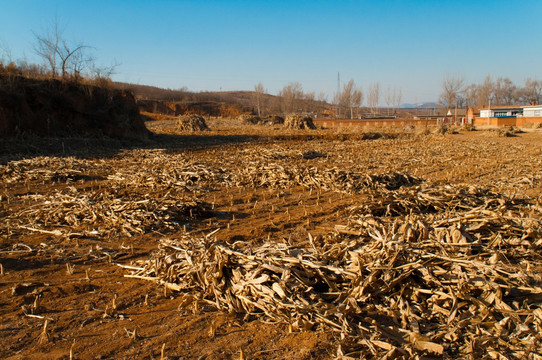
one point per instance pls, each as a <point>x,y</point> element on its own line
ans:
<point>533,90</point>
<point>290,96</point>
<point>388,98</point>
<point>322,97</point>
<point>46,46</point>
<point>73,59</point>
<point>485,91</point>
<point>397,97</point>
<point>470,94</point>
<point>6,55</point>
<point>61,55</point>
<point>357,99</point>
<point>452,87</point>
<point>309,101</point>
<point>373,98</point>
<point>502,92</point>
<point>102,75</point>
<point>259,92</point>
<point>349,98</point>
<point>505,91</point>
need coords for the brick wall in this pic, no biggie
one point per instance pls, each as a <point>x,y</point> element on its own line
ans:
<point>507,121</point>
<point>525,121</point>
<point>332,123</point>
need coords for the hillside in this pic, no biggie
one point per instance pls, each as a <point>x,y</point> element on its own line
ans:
<point>245,100</point>
<point>155,100</point>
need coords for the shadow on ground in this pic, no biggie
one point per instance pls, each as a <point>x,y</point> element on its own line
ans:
<point>13,149</point>
<point>17,148</point>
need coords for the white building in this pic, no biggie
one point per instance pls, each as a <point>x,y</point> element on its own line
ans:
<point>532,111</point>
<point>502,111</point>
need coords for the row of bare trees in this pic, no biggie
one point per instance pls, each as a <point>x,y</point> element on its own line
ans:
<point>348,101</point>
<point>501,91</point>
<point>290,99</point>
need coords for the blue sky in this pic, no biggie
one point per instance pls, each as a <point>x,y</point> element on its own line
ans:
<point>232,45</point>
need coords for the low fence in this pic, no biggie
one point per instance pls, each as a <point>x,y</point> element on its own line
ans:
<point>506,121</point>
<point>333,123</point>
<point>477,121</point>
<point>526,121</point>
<point>494,121</point>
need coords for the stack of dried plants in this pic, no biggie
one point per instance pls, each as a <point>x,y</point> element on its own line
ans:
<point>446,271</point>
<point>103,212</point>
<point>294,121</point>
<point>191,123</point>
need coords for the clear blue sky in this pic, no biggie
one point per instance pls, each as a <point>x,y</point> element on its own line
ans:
<point>232,45</point>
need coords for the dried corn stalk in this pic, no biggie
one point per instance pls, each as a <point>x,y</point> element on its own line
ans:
<point>448,271</point>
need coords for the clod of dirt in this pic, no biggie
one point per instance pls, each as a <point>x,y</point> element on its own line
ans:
<point>298,122</point>
<point>192,123</point>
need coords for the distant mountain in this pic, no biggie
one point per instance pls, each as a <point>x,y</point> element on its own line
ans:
<point>422,105</point>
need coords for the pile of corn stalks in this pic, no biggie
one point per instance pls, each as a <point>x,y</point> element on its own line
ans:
<point>276,176</point>
<point>294,121</point>
<point>191,176</point>
<point>450,272</point>
<point>102,212</point>
<point>44,169</point>
<point>191,123</point>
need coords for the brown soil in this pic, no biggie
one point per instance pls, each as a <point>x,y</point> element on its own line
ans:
<point>94,312</point>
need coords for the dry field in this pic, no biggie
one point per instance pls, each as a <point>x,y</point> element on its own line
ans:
<point>265,243</point>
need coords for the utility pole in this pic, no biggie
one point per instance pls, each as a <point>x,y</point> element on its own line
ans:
<point>338,91</point>
<point>467,111</point>
<point>489,111</point>
<point>338,83</point>
<point>455,113</point>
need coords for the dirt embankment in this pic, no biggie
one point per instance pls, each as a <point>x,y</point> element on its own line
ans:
<point>61,108</point>
<point>203,108</point>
